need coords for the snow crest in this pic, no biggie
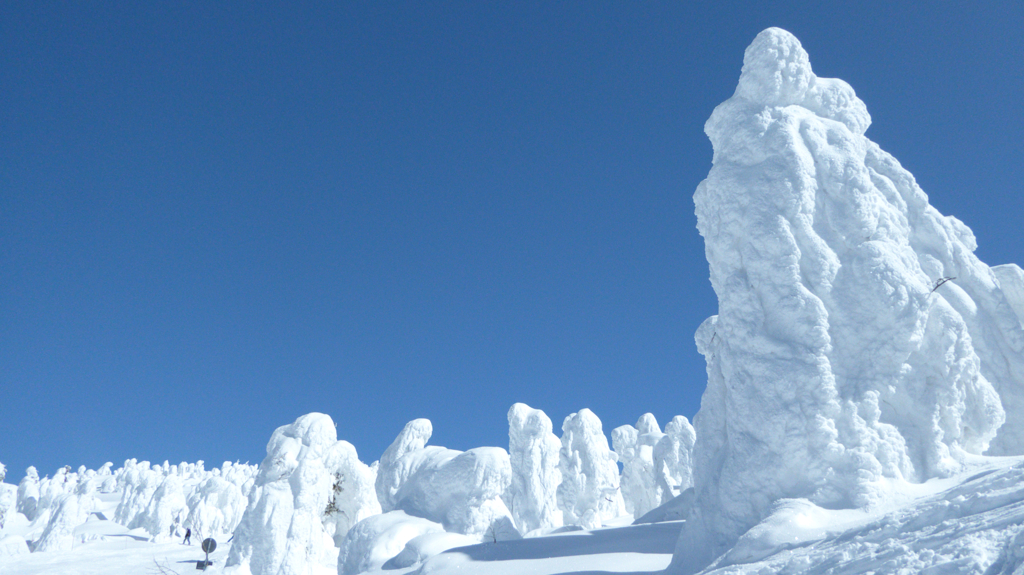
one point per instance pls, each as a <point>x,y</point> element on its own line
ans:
<point>858,339</point>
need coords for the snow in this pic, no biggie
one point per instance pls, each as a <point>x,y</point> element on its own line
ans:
<point>390,473</point>
<point>13,545</point>
<point>673,458</point>
<point>167,507</point>
<point>282,529</point>
<point>72,510</point>
<point>634,447</point>
<point>972,522</point>
<point>139,483</point>
<point>352,497</point>
<point>8,501</point>
<point>215,507</point>
<point>841,358</point>
<point>1011,280</point>
<point>589,493</point>
<point>637,549</point>
<point>974,525</point>
<point>423,547</point>
<point>377,539</point>
<point>533,452</point>
<point>864,411</point>
<point>28,493</point>
<point>461,490</point>
<point>675,509</point>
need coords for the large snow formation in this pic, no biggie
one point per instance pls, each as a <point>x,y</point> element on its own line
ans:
<point>634,446</point>
<point>463,491</point>
<point>71,510</point>
<point>282,530</point>
<point>858,340</point>
<point>8,498</point>
<point>217,502</point>
<point>673,459</point>
<point>533,450</point>
<point>589,493</point>
<point>28,494</point>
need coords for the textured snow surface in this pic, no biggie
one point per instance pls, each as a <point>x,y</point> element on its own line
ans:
<point>216,506</point>
<point>863,370</point>
<point>282,530</point>
<point>463,491</point>
<point>379,538</point>
<point>972,523</point>
<point>843,356</point>
<point>533,452</point>
<point>976,526</point>
<point>634,446</point>
<point>589,493</point>
<point>673,459</point>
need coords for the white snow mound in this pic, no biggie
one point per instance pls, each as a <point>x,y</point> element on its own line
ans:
<point>461,490</point>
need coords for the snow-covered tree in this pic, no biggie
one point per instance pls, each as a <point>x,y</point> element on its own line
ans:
<point>634,447</point>
<point>858,339</point>
<point>673,458</point>
<point>589,492</point>
<point>533,451</point>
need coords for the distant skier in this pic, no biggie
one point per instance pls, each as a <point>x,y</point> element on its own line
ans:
<point>188,535</point>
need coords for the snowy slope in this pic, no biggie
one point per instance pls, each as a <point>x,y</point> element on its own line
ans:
<point>970,523</point>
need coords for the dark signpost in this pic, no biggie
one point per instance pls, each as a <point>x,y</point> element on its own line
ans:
<point>209,546</point>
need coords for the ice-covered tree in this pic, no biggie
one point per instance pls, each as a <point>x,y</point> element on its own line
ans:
<point>139,481</point>
<point>589,493</point>
<point>390,472</point>
<point>70,509</point>
<point>858,339</point>
<point>353,496</point>
<point>533,451</point>
<point>673,458</point>
<point>282,529</point>
<point>28,493</point>
<point>166,509</point>
<point>634,447</point>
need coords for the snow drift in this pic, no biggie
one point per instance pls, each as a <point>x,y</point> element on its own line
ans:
<point>460,490</point>
<point>859,341</point>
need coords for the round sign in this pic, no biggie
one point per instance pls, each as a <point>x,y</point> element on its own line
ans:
<point>209,545</point>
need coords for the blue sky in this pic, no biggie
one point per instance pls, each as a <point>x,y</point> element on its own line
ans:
<point>216,218</point>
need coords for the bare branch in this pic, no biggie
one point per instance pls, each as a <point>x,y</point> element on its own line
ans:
<point>163,569</point>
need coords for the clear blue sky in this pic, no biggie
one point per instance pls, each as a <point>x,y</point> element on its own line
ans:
<point>216,218</point>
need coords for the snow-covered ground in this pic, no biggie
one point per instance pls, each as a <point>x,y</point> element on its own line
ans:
<point>864,411</point>
<point>970,523</point>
